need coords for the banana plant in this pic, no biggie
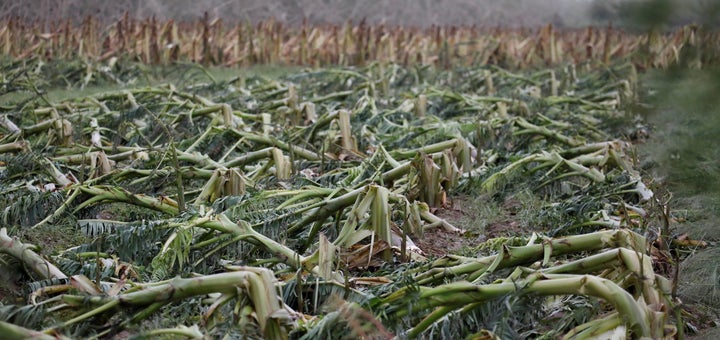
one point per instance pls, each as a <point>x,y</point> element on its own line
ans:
<point>245,206</point>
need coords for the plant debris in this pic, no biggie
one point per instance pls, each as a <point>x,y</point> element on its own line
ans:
<point>311,205</point>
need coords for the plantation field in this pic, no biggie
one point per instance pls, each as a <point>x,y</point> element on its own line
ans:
<point>356,202</point>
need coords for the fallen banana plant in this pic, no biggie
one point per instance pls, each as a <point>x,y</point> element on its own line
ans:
<point>243,208</point>
<point>610,274</point>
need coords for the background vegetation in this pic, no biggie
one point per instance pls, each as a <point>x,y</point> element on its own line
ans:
<point>506,13</point>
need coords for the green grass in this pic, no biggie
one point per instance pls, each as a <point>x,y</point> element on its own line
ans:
<point>683,154</point>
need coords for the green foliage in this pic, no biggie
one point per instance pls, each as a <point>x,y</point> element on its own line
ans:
<point>136,243</point>
<point>29,316</point>
<point>26,208</point>
<point>510,317</point>
<point>174,252</point>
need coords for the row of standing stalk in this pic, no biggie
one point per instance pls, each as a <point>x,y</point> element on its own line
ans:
<point>214,42</point>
